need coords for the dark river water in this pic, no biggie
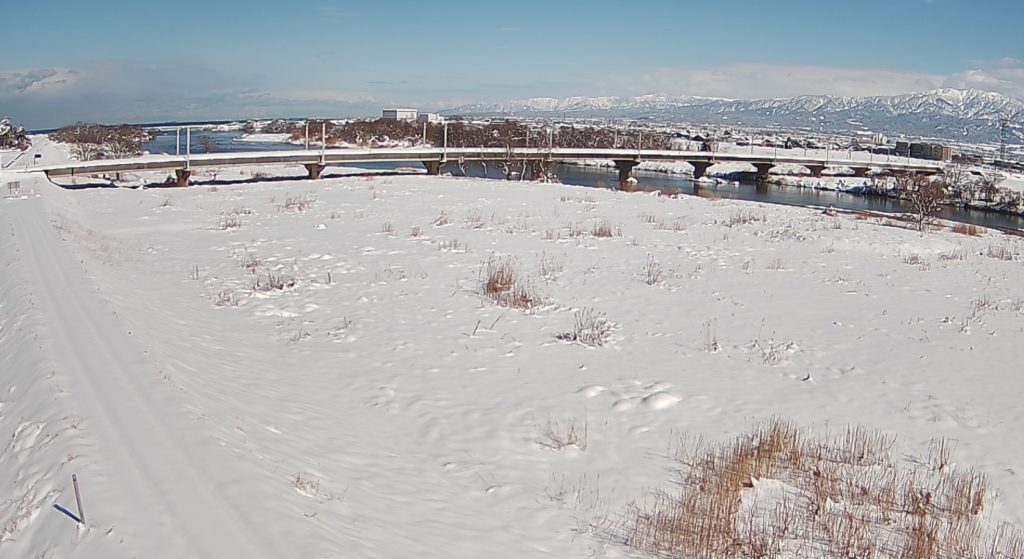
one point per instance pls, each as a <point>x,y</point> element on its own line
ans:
<point>228,142</point>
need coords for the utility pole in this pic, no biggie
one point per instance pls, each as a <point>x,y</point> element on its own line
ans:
<point>1003,123</point>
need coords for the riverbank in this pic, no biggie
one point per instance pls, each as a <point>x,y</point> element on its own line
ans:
<point>333,349</point>
<point>837,179</point>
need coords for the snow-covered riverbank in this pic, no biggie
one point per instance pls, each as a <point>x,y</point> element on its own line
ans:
<point>313,369</point>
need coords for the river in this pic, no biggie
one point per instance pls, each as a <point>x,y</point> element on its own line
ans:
<point>230,142</point>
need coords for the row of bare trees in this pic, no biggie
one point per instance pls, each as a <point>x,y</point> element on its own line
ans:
<point>926,195</point>
<point>99,141</point>
<point>507,134</point>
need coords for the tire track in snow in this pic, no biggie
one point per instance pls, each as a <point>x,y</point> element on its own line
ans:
<point>166,502</point>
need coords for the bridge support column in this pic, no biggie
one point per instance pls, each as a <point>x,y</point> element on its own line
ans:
<point>314,170</point>
<point>699,168</point>
<point>763,169</point>
<point>815,170</point>
<point>182,176</point>
<point>625,167</point>
<point>433,167</point>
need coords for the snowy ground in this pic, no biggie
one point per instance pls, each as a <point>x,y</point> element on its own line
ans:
<point>272,138</point>
<point>380,406</point>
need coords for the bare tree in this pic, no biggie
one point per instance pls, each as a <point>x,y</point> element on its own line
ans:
<point>95,141</point>
<point>958,182</point>
<point>925,195</point>
<point>988,186</point>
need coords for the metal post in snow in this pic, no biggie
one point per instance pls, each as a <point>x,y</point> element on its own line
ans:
<point>188,147</point>
<point>78,499</point>
<point>177,142</point>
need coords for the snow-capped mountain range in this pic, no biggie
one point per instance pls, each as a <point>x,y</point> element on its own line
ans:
<point>955,114</point>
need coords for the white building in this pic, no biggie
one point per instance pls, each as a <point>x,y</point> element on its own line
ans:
<point>428,117</point>
<point>400,114</point>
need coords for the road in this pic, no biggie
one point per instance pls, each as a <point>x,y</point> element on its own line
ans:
<point>146,479</point>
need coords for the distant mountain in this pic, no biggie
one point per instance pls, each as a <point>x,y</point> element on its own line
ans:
<point>953,114</point>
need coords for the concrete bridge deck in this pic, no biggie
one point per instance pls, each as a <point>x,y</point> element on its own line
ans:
<point>433,158</point>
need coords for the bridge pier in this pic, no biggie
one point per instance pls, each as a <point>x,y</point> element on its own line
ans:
<point>762,172</point>
<point>182,176</point>
<point>433,167</point>
<point>815,170</point>
<point>625,167</point>
<point>314,170</point>
<point>699,168</point>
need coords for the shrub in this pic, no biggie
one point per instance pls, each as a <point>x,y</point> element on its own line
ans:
<point>502,283</point>
<point>591,328</point>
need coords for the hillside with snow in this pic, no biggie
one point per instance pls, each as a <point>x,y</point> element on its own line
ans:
<point>963,115</point>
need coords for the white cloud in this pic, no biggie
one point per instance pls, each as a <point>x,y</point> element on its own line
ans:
<point>134,91</point>
<point>1007,79</point>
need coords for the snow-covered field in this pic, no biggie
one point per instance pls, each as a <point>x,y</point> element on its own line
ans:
<point>311,369</point>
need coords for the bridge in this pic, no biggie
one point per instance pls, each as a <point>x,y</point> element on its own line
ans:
<point>433,158</point>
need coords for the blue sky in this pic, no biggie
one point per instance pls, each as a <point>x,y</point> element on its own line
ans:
<point>119,60</point>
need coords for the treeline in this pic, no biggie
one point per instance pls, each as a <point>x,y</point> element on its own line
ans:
<point>505,134</point>
<point>13,136</point>
<point>101,141</point>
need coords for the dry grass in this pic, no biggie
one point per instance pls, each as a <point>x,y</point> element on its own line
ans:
<point>387,228</point>
<point>913,259</point>
<point>272,281</point>
<point>1002,252</point>
<point>604,229</point>
<point>968,229</point>
<point>591,328</point>
<point>550,266</point>
<point>441,220</point>
<point>953,254</point>
<point>452,245</point>
<point>744,217</point>
<point>501,281</point>
<point>416,232</point>
<point>653,273</point>
<point>558,435</point>
<point>779,488</point>
<point>226,298</point>
<point>298,204</point>
<point>229,222</point>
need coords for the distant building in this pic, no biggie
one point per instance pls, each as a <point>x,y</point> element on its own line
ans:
<point>399,114</point>
<point>935,152</point>
<point>428,117</point>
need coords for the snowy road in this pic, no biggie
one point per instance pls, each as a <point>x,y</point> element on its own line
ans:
<point>145,482</point>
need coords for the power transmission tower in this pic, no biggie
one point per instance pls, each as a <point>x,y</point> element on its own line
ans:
<point>1003,123</point>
